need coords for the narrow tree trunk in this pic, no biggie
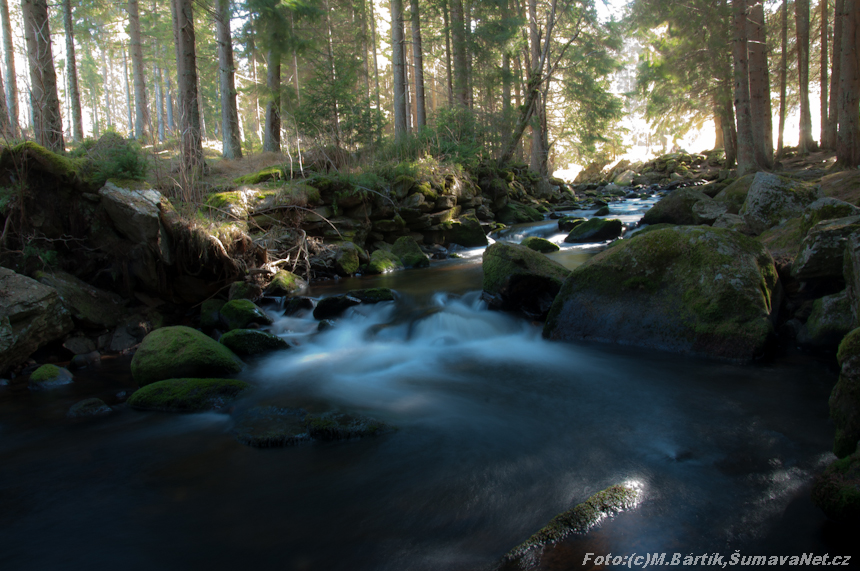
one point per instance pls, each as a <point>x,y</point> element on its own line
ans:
<point>801,14</point>
<point>107,89</point>
<point>171,126</point>
<point>823,73</point>
<point>272,136</point>
<point>186,64</point>
<point>448,68</point>
<point>746,147</point>
<point>783,79</point>
<point>128,104</point>
<point>332,76</point>
<point>159,104</point>
<point>719,136</point>
<point>467,18</point>
<point>9,65</point>
<point>232,143</point>
<point>47,121</point>
<point>418,58</point>
<point>458,37</point>
<point>203,135</point>
<point>538,151</point>
<point>141,111</point>
<point>835,76</point>
<point>848,136</point>
<point>296,66</point>
<point>5,124</point>
<point>72,74</point>
<point>399,73</point>
<point>730,133</point>
<point>759,78</point>
<point>375,61</point>
<point>407,72</point>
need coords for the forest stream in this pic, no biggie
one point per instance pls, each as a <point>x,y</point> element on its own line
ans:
<point>497,431</point>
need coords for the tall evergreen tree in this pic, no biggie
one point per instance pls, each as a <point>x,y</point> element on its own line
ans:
<point>44,102</point>
<point>848,140</point>
<point>9,68</point>
<point>72,73</point>
<point>232,143</point>
<point>801,14</point>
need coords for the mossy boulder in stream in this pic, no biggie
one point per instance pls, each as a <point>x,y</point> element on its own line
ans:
<point>538,244</point>
<point>513,213</point>
<point>89,408</point>
<point>677,208</point>
<point>285,283</point>
<point>685,289</point>
<point>822,252</point>
<point>845,397</point>
<point>410,254</point>
<point>837,490</point>
<point>735,194</point>
<point>49,377</point>
<point>333,306</point>
<point>240,313</point>
<point>252,342</point>
<point>517,278</point>
<point>382,262</point>
<point>595,230</point>
<point>271,426</point>
<point>188,395</point>
<point>179,351</point>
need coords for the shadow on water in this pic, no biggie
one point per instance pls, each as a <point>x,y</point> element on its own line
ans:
<point>499,430</point>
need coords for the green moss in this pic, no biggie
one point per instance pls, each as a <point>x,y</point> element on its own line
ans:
<point>518,213</point>
<point>503,263</point>
<point>410,254</point>
<point>240,313</point>
<point>89,408</point>
<point>735,194</point>
<point>373,295</point>
<point>818,212</point>
<point>180,351</point>
<point>784,240</point>
<point>210,313</point>
<point>285,283</point>
<point>188,395</point>
<point>849,347</point>
<point>382,262</point>
<point>252,342</point>
<point>541,245</point>
<point>427,190</point>
<point>53,163</point>
<point>595,230</point>
<point>465,231</point>
<point>269,173</point>
<point>837,490</point>
<point>45,373</point>
<point>602,211</point>
<point>224,199</point>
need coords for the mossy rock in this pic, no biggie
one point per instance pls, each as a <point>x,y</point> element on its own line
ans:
<point>465,231</point>
<point>333,306</point>
<point>845,397</point>
<point>89,306</point>
<point>33,156</point>
<point>340,426</point>
<point>382,262</point>
<point>252,342</point>
<point>373,295</point>
<point>518,213</point>
<point>210,313</point>
<point>827,209</point>
<point>772,199</point>
<point>685,289</point>
<point>426,189</point>
<point>285,283</point>
<point>568,223</point>
<point>517,278</point>
<point>49,377</point>
<point>179,351</point>
<point>271,427</point>
<point>831,319</point>
<point>240,313</point>
<point>676,208</point>
<point>595,230</point>
<point>89,408</point>
<point>602,211</point>
<point>268,173</point>
<point>735,194</point>
<point>584,516</point>
<point>294,305</point>
<point>244,290</point>
<point>837,490</point>
<point>410,254</point>
<point>347,260</point>
<point>783,240</point>
<point>541,245</point>
<point>188,395</point>
<point>822,252</point>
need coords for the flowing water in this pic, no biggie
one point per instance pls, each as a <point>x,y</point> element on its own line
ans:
<point>498,431</point>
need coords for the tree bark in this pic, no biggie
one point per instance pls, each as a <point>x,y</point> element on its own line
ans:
<point>762,122</point>
<point>128,104</point>
<point>47,121</point>
<point>458,39</point>
<point>835,75</point>
<point>186,64</point>
<point>418,59</point>
<point>232,142</point>
<point>272,135</point>
<point>538,151</point>
<point>72,74</point>
<point>9,65</point>
<point>783,79</point>
<point>823,72</point>
<point>141,111</point>
<point>107,89</point>
<point>448,68</point>
<point>159,104</point>
<point>801,15</point>
<point>848,136</point>
<point>399,73</point>
<point>747,162</point>
<point>375,60</point>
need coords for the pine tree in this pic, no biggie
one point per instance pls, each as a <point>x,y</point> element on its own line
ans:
<point>44,102</point>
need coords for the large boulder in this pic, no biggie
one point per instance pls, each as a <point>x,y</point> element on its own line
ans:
<point>252,342</point>
<point>837,490</point>
<point>772,199</point>
<point>135,213</point>
<point>347,258</point>
<point>830,320</point>
<point>822,252</point>
<point>735,194</point>
<point>782,241</point>
<point>382,262</point>
<point>677,208</point>
<point>465,231</point>
<point>845,397</point>
<point>89,306</point>
<point>827,208</point>
<point>683,289</point>
<point>595,230</point>
<point>31,315</point>
<point>851,273</point>
<point>410,254</point>
<point>179,351</point>
<point>188,395</point>
<point>240,313</point>
<point>517,278</point>
<point>514,213</point>
<point>285,283</point>
<point>539,244</point>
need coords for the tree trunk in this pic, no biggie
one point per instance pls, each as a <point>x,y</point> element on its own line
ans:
<point>747,162</point>
<point>186,64</point>
<point>141,112</point>
<point>801,15</point>
<point>467,19</point>
<point>171,126</point>
<point>762,122</point>
<point>9,64</point>
<point>458,39</point>
<point>538,152</point>
<point>272,135</point>
<point>332,76</point>
<point>232,142</point>
<point>128,104</point>
<point>730,133</point>
<point>107,89</point>
<point>72,74</point>
<point>835,76</point>
<point>47,121</point>
<point>375,60</point>
<point>399,73</point>
<point>848,139</point>
<point>448,68</point>
<point>783,71</point>
<point>159,104</point>
<point>296,67</point>
<point>418,58</point>
<point>823,75</point>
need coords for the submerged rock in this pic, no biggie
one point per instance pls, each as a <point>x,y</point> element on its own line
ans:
<point>188,395</point>
<point>89,408</point>
<point>684,289</point>
<point>845,397</point>
<point>49,377</point>
<point>252,342</point>
<point>341,426</point>
<point>270,427</point>
<point>179,351</point>
<point>517,278</point>
<point>837,490</point>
